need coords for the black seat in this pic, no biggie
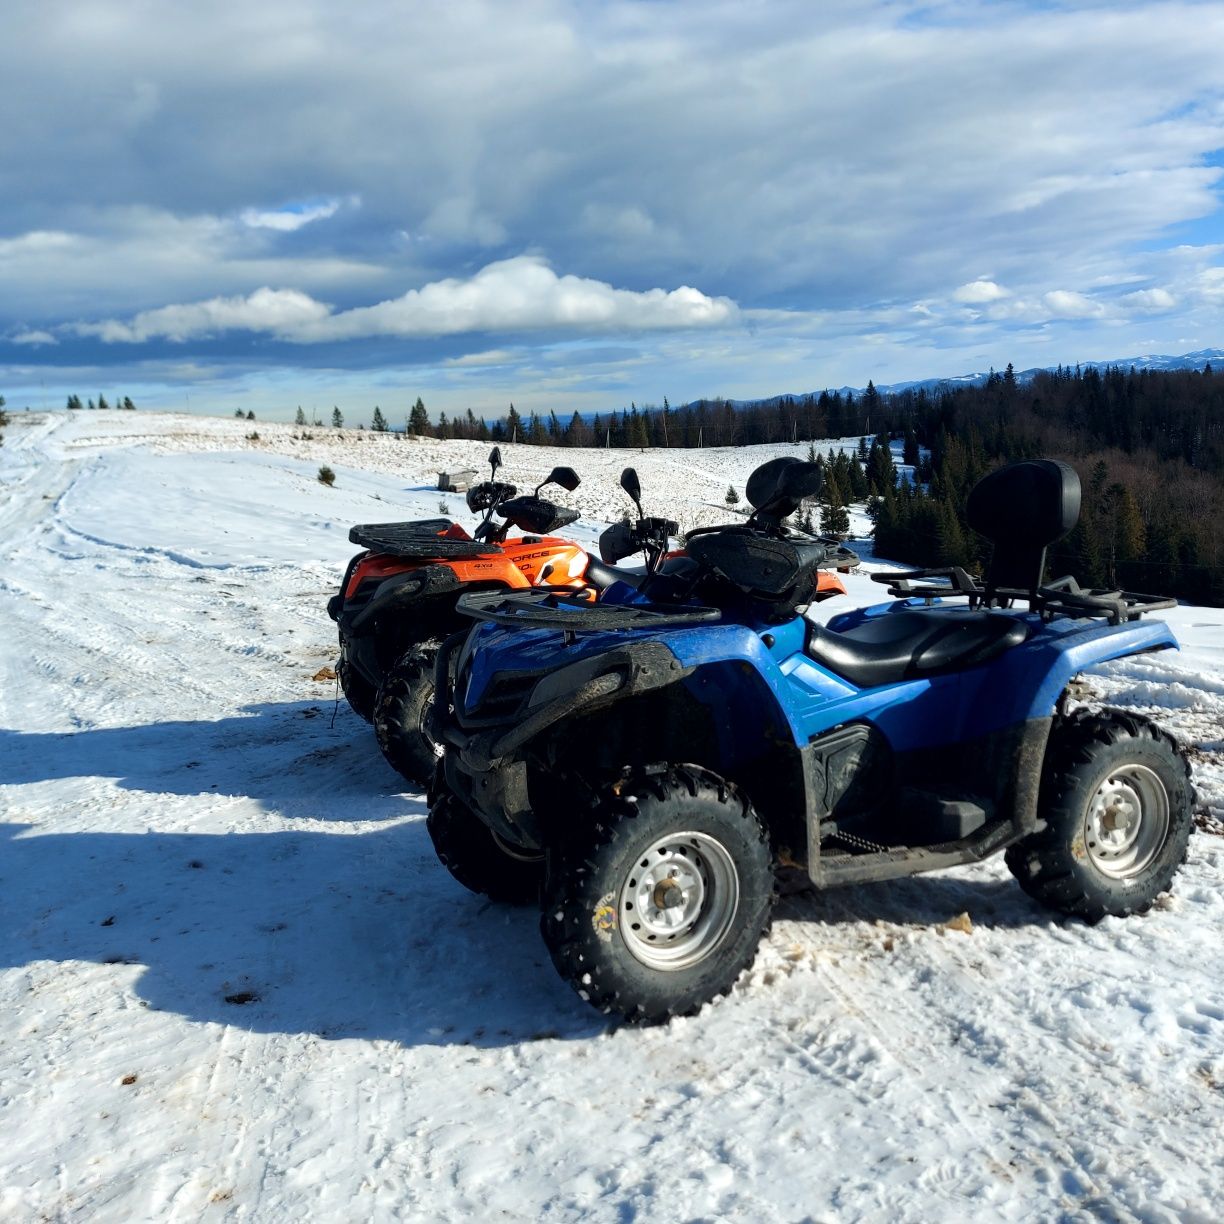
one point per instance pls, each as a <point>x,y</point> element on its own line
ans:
<point>914,643</point>
<point>602,576</point>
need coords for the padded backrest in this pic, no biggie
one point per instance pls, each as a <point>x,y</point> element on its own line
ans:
<point>776,488</point>
<point>1022,509</point>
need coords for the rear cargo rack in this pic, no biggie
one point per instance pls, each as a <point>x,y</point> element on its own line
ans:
<point>1063,597</point>
<point>575,613</point>
<point>420,538</point>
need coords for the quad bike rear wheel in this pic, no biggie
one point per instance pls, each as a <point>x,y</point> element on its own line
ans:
<point>480,860</point>
<point>357,690</point>
<point>403,701</point>
<point>657,904</point>
<point>1118,808</point>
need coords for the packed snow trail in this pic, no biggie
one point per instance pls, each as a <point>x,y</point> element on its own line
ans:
<point>237,984</point>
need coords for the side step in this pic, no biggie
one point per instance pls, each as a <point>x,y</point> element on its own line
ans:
<point>831,870</point>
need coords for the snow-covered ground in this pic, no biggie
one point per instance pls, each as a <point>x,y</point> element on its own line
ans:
<point>235,983</point>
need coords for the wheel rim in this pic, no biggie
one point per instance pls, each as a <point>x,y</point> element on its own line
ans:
<point>1127,821</point>
<point>678,900</point>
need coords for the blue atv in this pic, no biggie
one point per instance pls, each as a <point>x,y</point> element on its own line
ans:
<point>641,764</point>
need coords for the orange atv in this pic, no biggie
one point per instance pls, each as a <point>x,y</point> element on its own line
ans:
<point>397,600</point>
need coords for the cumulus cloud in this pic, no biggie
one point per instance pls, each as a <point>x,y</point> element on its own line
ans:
<point>33,336</point>
<point>1151,301</point>
<point>1067,304</point>
<point>629,144</point>
<point>290,218</point>
<point>978,291</point>
<point>1209,284</point>
<point>36,242</point>
<point>128,259</point>
<point>278,311</point>
<point>521,294</point>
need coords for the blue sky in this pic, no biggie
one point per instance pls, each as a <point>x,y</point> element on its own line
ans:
<point>579,204</point>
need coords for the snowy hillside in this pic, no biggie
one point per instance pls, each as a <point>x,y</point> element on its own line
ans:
<point>236,984</point>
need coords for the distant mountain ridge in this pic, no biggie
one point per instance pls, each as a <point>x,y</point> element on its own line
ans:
<point>1152,361</point>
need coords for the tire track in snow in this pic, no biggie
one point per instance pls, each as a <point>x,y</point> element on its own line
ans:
<point>946,1010</point>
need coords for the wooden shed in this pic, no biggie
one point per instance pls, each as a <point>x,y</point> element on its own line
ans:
<point>456,482</point>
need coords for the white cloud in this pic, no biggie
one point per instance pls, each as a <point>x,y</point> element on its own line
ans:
<point>291,218</point>
<point>33,336</point>
<point>521,294</point>
<point>979,291</point>
<point>126,259</point>
<point>630,144</point>
<point>277,311</point>
<point>35,243</point>
<point>1210,285</point>
<point>1067,304</point>
<point>490,357</point>
<point>1152,301</point>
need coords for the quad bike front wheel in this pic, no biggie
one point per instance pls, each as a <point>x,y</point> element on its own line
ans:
<point>403,701</point>
<point>357,690</point>
<point>1118,808</point>
<point>657,904</point>
<point>480,860</point>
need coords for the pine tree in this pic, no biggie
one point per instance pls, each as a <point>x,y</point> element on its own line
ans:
<point>537,434</point>
<point>858,488</point>
<point>102,402</point>
<point>514,426</point>
<point>732,497</point>
<point>300,419</point>
<point>950,547</point>
<point>128,405</point>
<point>576,432</point>
<point>379,423</point>
<point>337,418</point>
<point>1127,540</point>
<point>835,520</point>
<point>639,435</point>
<point>418,419</point>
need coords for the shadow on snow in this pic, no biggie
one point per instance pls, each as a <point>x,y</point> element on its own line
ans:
<point>335,931</point>
<point>293,758</point>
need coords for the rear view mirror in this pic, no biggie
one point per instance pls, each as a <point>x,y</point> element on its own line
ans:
<point>566,477</point>
<point>630,483</point>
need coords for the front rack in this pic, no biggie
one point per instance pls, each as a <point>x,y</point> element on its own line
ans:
<point>1063,597</point>
<point>574,613</point>
<point>418,539</point>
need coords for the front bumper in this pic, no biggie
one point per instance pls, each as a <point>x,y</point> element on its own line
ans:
<point>486,766</point>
